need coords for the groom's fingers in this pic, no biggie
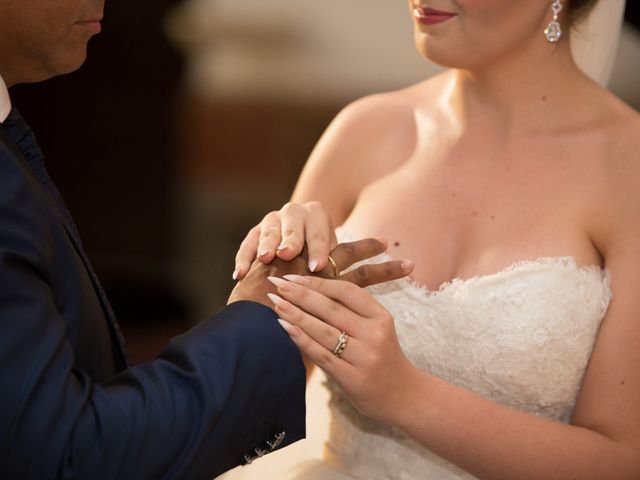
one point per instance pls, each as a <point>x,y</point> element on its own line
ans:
<point>372,274</point>
<point>346,254</point>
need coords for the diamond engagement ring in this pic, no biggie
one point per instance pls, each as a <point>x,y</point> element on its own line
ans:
<point>343,338</point>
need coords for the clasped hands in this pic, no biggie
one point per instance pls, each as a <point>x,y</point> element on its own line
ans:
<point>284,263</point>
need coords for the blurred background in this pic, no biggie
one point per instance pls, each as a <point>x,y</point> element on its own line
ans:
<point>191,119</point>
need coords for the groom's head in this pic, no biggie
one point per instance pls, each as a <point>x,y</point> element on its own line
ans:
<point>40,39</point>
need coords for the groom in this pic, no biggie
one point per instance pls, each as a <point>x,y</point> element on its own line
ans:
<point>228,391</point>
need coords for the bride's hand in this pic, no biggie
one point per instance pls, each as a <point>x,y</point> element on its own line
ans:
<point>284,234</point>
<point>254,286</point>
<point>372,369</point>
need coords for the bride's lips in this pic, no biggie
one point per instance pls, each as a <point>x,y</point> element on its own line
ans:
<point>431,16</point>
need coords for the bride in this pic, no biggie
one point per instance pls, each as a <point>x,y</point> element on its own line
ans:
<point>512,181</point>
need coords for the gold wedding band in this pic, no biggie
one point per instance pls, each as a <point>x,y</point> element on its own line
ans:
<point>343,338</point>
<point>336,270</point>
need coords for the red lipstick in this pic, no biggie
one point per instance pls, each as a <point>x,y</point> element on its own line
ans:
<point>431,16</point>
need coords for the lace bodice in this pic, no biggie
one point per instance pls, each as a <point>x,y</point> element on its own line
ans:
<point>521,337</point>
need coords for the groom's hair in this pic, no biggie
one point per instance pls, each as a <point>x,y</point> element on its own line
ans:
<point>578,9</point>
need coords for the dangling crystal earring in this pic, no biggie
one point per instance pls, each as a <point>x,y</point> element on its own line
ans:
<point>553,32</point>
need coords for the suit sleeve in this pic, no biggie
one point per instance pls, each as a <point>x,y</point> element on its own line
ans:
<point>217,392</point>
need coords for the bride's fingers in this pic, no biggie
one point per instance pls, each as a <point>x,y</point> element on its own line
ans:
<point>319,306</point>
<point>320,332</point>
<point>319,236</point>
<point>372,274</point>
<point>326,360</point>
<point>270,237</point>
<point>292,218</point>
<point>329,299</point>
<point>246,253</point>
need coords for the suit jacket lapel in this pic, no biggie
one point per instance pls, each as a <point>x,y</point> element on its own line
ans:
<point>64,217</point>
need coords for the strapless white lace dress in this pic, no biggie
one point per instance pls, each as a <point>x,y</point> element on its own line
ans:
<point>521,337</point>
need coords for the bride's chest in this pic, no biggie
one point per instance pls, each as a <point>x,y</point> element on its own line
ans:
<point>522,336</point>
<point>459,221</point>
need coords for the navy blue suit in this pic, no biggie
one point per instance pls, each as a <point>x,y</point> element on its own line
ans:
<point>227,391</point>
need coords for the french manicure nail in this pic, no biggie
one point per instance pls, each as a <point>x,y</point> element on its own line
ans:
<point>313,265</point>
<point>282,246</point>
<point>300,280</point>
<point>285,325</point>
<point>278,282</point>
<point>236,272</point>
<point>262,253</point>
<point>276,299</point>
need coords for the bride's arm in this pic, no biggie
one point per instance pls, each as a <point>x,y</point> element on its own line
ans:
<point>367,140</point>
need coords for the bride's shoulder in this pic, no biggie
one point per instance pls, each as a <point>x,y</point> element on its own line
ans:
<point>608,131</point>
<point>392,112</point>
<point>621,128</point>
<point>388,117</point>
<point>619,135</point>
<point>376,112</point>
<point>367,140</point>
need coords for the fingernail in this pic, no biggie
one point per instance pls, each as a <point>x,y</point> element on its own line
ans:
<point>278,282</point>
<point>313,265</point>
<point>407,265</point>
<point>282,246</point>
<point>277,300</point>
<point>300,280</point>
<point>286,326</point>
<point>236,272</point>
<point>262,253</point>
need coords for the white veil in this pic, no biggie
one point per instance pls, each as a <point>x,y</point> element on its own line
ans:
<point>594,40</point>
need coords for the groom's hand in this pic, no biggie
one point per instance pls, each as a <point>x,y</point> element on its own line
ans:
<point>255,286</point>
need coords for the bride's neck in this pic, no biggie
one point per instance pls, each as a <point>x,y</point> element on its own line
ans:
<point>521,92</point>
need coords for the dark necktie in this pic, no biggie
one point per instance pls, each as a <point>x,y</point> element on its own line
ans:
<point>20,133</point>
<point>23,137</point>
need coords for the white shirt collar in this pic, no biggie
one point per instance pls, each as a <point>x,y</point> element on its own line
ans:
<point>5,101</point>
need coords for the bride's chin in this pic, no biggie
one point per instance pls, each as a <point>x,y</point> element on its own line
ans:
<point>442,56</point>
<point>451,54</point>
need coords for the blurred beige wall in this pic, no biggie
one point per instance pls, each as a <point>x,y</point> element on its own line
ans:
<point>331,50</point>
